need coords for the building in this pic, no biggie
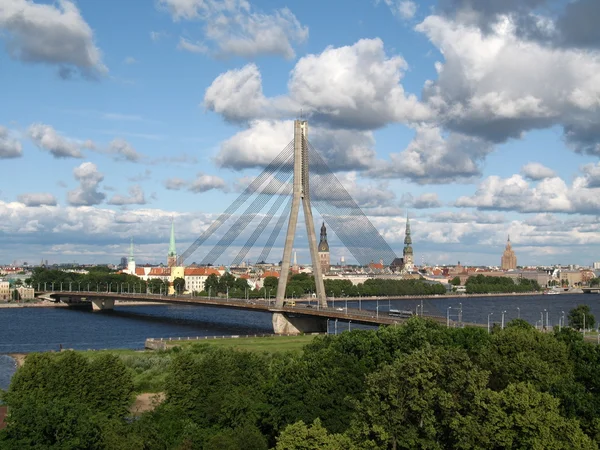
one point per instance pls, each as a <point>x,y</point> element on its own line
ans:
<point>596,265</point>
<point>570,277</point>
<point>131,260</point>
<point>195,277</point>
<point>172,255</point>
<point>509,259</point>
<point>324,256</point>
<point>26,293</point>
<point>408,257</point>
<point>4,290</point>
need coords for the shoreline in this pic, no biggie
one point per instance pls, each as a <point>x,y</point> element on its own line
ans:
<point>46,304</point>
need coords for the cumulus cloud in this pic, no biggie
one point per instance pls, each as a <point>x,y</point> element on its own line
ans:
<point>352,87</point>
<point>123,150</point>
<point>9,147</point>
<point>405,9</point>
<point>258,145</point>
<point>548,195</point>
<point>427,200</point>
<point>87,193</point>
<point>204,183</point>
<point>234,29</point>
<point>432,158</point>
<point>136,197</point>
<point>497,85</point>
<point>54,34</point>
<point>37,199</point>
<point>193,47</point>
<point>46,138</point>
<point>175,184</point>
<point>535,171</point>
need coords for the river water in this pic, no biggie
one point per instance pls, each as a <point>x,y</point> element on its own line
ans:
<point>24,330</point>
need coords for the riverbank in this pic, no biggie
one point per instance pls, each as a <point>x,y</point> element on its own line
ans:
<point>46,304</point>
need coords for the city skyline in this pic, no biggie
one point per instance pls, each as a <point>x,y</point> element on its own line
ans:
<point>478,122</point>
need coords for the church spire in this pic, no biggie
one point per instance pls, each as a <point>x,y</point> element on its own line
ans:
<point>131,258</point>
<point>172,255</point>
<point>323,244</point>
<point>407,238</point>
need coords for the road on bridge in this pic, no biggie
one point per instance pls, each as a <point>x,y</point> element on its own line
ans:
<point>362,316</point>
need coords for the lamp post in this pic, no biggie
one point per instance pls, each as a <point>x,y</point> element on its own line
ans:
<point>53,286</point>
<point>209,289</point>
<point>584,325</point>
<point>227,292</point>
<point>518,312</point>
<point>547,323</point>
<point>502,327</point>
<point>563,318</point>
<point>70,284</point>
<point>460,314</point>
<point>336,326</point>
<point>350,325</point>
<point>377,308</point>
<point>490,314</point>
<point>327,326</point>
<point>448,316</point>
<point>541,321</point>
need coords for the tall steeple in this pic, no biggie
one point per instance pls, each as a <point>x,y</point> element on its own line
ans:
<point>131,258</point>
<point>409,264</point>
<point>172,255</point>
<point>324,257</point>
<point>509,259</point>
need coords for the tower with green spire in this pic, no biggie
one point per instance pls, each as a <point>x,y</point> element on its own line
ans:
<point>172,255</point>
<point>409,264</point>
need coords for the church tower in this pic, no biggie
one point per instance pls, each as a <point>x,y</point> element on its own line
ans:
<point>409,264</point>
<point>509,259</point>
<point>172,255</point>
<point>323,249</point>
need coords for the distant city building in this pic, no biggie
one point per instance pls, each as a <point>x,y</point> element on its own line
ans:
<point>509,259</point>
<point>324,256</point>
<point>123,264</point>
<point>596,265</point>
<point>26,293</point>
<point>408,257</point>
<point>172,255</point>
<point>4,290</point>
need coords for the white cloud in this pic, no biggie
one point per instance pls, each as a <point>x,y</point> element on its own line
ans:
<point>234,29</point>
<point>427,200</point>
<point>9,147</point>
<point>258,145</point>
<point>432,158</point>
<point>37,199</point>
<point>536,171</point>
<point>136,197</point>
<point>175,184</point>
<point>548,195</point>
<point>158,35</point>
<point>87,193</point>
<point>204,183</point>
<point>193,47</point>
<point>352,87</point>
<point>123,150</point>
<point>46,138</point>
<point>130,60</point>
<point>497,85</point>
<point>405,9</point>
<point>51,34</point>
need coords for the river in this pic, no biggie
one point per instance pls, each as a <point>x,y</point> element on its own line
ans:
<point>24,330</point>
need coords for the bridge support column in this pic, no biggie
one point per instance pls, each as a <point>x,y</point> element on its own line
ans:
<point>284,323</point>
<point>103,304</point>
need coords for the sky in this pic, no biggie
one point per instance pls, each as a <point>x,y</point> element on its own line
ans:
<point>478,119</point>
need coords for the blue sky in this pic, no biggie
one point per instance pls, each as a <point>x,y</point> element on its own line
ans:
<point>479,119</point>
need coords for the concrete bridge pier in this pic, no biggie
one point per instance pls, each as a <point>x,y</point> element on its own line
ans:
<point>103,304</point>
<point>286,323</point>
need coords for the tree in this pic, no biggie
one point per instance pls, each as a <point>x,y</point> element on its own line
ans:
<point>455,281</point>
<point>179,285</point>
<point>298,436</point>
<point>581,315</point>
<point>158,286</point>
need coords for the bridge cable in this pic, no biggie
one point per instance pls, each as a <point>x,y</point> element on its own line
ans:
<point>285,214</point>
<point>275,165</point>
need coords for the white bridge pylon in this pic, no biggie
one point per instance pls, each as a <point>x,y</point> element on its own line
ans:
<point>301,194</point>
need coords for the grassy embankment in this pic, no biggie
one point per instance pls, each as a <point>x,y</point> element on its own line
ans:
<point>149,368</point>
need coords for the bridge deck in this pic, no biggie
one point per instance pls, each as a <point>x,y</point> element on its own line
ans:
<point>364,316</point>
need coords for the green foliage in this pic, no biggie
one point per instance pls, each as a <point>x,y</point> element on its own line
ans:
<point>455,281</point>
<point>419,385</point>
<point>99,278</point>
<point>179,285</point>
<point>580,316</point>
<point>298,436</point>
<point>482,284</point>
